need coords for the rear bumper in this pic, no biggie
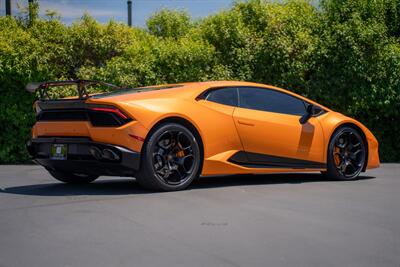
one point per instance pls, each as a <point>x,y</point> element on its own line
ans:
<point>81,158</point>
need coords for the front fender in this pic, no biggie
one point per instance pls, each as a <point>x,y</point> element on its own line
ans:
<point>331,121</point>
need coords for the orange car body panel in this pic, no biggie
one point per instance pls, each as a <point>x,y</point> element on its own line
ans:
<point>224,130</point>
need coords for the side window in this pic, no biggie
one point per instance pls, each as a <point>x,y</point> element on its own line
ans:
<point>270,100</point>
<point>226,96</point>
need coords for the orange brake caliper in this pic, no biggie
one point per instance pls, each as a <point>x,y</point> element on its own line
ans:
<point>337,157</point>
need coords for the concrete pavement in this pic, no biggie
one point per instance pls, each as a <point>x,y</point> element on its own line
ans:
<point>267,220</point>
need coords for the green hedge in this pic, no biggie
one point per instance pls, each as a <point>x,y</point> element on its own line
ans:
<point>343,54</point>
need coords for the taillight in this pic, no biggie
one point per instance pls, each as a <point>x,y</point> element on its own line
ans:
<point>98,115</point>
<point>107,116</point>
<point>112,110</point>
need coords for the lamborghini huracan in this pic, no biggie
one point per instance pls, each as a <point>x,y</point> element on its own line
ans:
<point>166,136</point>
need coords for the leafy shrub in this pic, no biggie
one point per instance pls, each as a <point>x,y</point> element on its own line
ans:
<point>160,61</point>
<point>169,23</point>
<point>344,54</point>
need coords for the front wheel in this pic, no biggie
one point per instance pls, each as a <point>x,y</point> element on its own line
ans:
<point>346,154</point>
<point>171,158</point>
<point>73,178</point>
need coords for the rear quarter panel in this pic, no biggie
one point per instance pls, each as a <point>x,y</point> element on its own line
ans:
<point>213,121</point>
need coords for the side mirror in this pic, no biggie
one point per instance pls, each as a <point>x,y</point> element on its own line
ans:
<point>308,114</point>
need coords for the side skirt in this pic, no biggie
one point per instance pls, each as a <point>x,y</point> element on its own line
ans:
<point>256,160</point>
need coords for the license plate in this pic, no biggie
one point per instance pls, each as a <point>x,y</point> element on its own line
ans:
<point>58,151</point>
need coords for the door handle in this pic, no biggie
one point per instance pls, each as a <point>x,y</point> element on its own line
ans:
<point>245,123</point>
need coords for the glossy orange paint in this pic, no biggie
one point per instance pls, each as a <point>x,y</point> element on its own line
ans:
<point>224,130</point>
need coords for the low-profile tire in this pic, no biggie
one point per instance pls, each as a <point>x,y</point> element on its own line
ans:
<point>171,158</point>
<point>346,154</point>
<point>72,178</point>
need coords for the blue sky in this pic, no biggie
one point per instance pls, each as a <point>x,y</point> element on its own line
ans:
<point>104,10</point>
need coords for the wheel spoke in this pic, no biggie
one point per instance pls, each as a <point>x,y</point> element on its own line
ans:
<point>180,174</point>
<point>351,140</point>
<point>357,144</point>
<point>188,148</point>
<point>351,165</point>
<point>355,163</point>
<point>342,166</point>
<point>353,155</point>
<point>163,172</point>
<point>178,138</point>
<point>165,143</point>
<point>181,162</point>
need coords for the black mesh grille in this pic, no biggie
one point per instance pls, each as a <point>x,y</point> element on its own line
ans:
<point>63,115</point>
<point>97,118</point>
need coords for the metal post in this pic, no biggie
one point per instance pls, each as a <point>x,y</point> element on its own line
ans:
<point>8,7</point>
<point>129,13</point>
<point>30,6</point>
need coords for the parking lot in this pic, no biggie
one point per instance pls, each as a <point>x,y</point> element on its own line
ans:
<point>266,220</point>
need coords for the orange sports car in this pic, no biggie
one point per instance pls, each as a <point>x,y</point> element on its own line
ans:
<point>168,135</point>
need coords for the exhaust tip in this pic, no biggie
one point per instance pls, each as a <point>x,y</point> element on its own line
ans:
<point>109,154</point>
<point>105,154</point>
<point>96,153</point>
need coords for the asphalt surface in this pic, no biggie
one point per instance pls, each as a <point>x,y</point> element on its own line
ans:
<point>269,220</point>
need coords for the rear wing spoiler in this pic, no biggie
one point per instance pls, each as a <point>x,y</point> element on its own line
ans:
<point>81,86</point>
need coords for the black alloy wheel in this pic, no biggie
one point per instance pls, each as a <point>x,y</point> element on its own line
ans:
<point>347,154</point>
<point>171,158</point>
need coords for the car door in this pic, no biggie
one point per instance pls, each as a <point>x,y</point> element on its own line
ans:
<point>267,121</point>
<point>221,130</point>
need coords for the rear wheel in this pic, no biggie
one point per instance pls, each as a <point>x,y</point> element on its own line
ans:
<point>171,159</point>
<point>346,154</point>
<point>73,178</point>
